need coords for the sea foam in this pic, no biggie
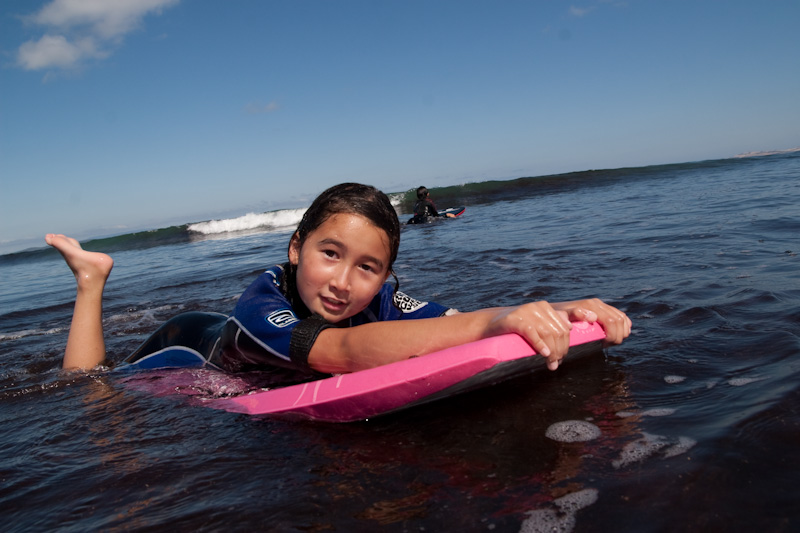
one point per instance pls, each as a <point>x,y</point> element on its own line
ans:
<point>573,431</point>
<point>561,519</point>
<point>286,218</point>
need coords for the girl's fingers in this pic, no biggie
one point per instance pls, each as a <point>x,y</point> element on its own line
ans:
<point>545,329</point>
<point>579,313</point>
<point>547,348</point>
<point>540,346</point>
<point>553,331</point>
<point>616,324</point>
<point>618,327</point>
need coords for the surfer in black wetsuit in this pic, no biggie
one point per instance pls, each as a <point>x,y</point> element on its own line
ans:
<point>424,208</point>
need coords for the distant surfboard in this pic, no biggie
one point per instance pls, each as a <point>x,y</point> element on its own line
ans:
<point>455,211</point>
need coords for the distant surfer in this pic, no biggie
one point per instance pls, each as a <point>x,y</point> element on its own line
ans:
<point>329,309</point>
<point>424,208</point>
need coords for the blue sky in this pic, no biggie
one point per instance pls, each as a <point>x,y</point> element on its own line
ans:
<point>135,114</point>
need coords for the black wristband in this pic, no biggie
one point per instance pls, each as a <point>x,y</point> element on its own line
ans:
<point>304,335</point>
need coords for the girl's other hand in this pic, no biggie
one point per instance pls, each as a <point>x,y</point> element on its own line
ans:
<point>544,327</point>
<point>616,324</point>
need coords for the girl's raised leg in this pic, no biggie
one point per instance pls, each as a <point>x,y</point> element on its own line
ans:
<point>86,347</point>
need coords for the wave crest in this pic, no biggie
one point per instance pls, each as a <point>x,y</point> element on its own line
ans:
<point>286,218</point>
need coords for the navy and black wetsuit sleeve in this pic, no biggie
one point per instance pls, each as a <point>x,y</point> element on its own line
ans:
<point>395,305</point>
<point>266,331</point>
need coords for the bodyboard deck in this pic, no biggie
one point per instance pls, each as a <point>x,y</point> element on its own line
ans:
<point>455,211</point>
<point>389,388</point>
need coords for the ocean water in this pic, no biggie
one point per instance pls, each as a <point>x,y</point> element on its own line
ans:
<point>692,424</point>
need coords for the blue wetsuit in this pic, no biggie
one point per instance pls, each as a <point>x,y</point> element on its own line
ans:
<point>270,329</point>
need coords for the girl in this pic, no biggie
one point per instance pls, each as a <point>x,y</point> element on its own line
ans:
<point>330,308</point>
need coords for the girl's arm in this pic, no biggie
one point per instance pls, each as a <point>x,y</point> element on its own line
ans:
<point>546,327</point>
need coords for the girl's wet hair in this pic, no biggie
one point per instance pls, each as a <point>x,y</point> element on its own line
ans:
<point>354,199</point>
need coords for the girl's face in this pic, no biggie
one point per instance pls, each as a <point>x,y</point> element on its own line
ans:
<point>341,266</point>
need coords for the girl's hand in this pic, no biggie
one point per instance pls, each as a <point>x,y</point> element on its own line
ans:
<point>616,324</point>
<point>544,327</point>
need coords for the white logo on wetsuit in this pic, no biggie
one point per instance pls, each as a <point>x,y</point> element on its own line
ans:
<point>282,318</point>
<point>406,303</point>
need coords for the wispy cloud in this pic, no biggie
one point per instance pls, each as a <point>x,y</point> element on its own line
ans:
<point>579,11</point>
<point>255,108</point>
<point>80,30</point>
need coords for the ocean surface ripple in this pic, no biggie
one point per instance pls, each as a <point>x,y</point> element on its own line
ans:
<point>692,424</point>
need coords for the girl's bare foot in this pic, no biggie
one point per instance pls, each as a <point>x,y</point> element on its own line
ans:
<point>85,344</point>
<point>91,269</point>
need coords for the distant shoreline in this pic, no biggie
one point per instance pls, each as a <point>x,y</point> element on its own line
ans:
<point>277,217</point>
<point>773,152</point>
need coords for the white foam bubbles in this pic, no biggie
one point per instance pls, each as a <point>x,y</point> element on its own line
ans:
<point>639,449</point>
<point>649,445</point>
<point>674,379</point>
<point>577,500</point>
<point>738,382</point>
<point>659,411</point>
<point>396,198</point>
<point>573,431</point>
<point>656,411</point>
<point>684,444</point>
<point>16,335</point>
<point>548,521</point>
<point>562,519</point>
<point>219,384</point>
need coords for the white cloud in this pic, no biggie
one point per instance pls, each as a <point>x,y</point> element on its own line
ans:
<point>54,51</point>
<point>83,29</point>
<point>579,11</point>
<point>107,19</point>
<point>254,108</point>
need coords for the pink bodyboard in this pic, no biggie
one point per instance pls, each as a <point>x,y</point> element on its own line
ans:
<point>376,391</point>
